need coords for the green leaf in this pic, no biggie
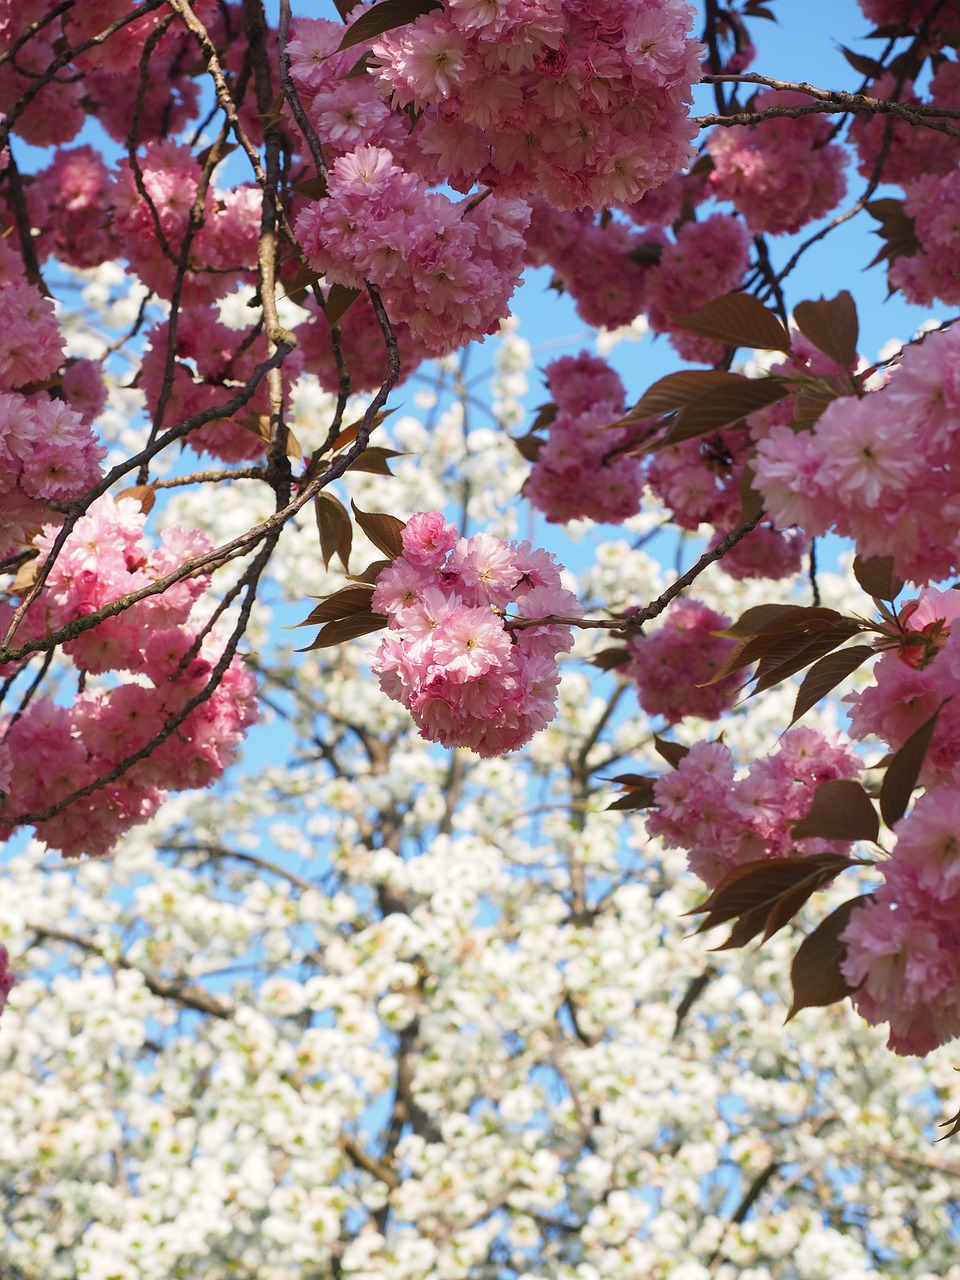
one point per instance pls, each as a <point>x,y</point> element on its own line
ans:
<point>903,770</point>
<point>831,325</point>
<point>383,530</point>
<point>815,974</point>
<point>826,674</point>
<point>877,578</point>
<point>385,16</point>
<point>841,810</point>
<point>335,529</point>
<point>740,320</point>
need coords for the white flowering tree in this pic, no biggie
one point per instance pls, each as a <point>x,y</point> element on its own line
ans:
<point>379,1009</point>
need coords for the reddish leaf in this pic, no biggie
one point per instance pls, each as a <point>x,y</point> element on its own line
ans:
<point>529,446</point>
<point>792,653</point>
<point>610,659</point>
<point>904,769</point>
<point>740,320</point>
<point>145,494</point>
<point>815,973</point>
<point>371,573</point>
<point>841,810</point>
<point>342,604</point>
<point>672,752</point>
<point>877,578</point>
<point>639,792</point>
<point>301,282</point>
<point>763,896</point>
<point>750,622</point>
<point>360,624</point>
<point>866,66</point>
<point>350,433</point>
<point>383,530</point>
<point>751,502</point>
<point>896,230</point>
<point>385,16</point>
<point>826,674</point>
<point>546,416</point>
<point>312,189</point>
<point>375,460</point>
<point>338,302</point>
<point>672,392</point>
<point>723,406</point>
<point>335,529</point>
<point>831,325</point>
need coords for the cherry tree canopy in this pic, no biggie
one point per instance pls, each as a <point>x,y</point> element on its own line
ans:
<point>414,997</point>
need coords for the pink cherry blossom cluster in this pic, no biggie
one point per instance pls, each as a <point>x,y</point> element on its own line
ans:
<point>932,271</point>
<point>166,659</point>
<point>903,944</point>
<point>782,173</point>
<point>48,452</point>
<point>149,230</point>
<point>912,681</point>
<point>724,820</point>
<point>446,270</point>
<point>585,101</point>
<point>468,679</point>
<point>699,481</point>
<point>674,667</point>
<point>615,273</point>
<point>211,363</point>
<point>603,266</point>
<point>906,153</point>
<point>899,487</point>
<point>582,471</point>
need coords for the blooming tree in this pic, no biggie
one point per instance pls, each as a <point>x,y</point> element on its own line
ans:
<point>272,226</point>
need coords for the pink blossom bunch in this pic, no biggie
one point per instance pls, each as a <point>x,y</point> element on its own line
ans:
<point>346,111</point>
<point>724,821</point>
<point>582,471</point>
<point>449,657</point>
<point>903,943</point>
<point>149,231</point>
<point>446,270</point>
<point>782,173</point>
<point>211,363</point>
<point>48,452</point>
<point>709,258</point>
<point>583,100</point>
<point>168,662</point>
<point>69,201</point>
<point>674,667</point>
<point>362,346</point>
<point>893,454</point>
<point>604,267</point>
<point>914,679</point>
<point>906,153</point>
<point>911,15</point>
<point>933,271</point>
